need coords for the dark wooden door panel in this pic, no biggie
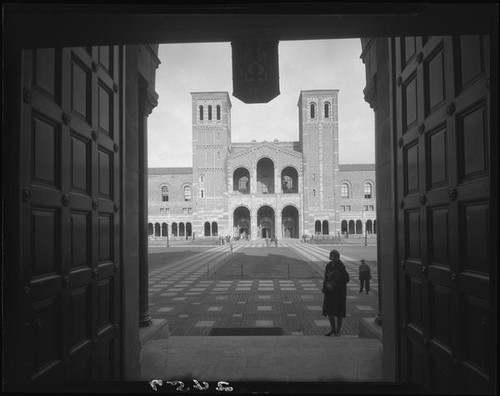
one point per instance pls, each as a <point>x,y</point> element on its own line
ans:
<point>70,214</point>
<point>442,135</point>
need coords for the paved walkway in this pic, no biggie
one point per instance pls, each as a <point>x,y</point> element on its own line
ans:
<point>256,287</point>
<point>215,289</point>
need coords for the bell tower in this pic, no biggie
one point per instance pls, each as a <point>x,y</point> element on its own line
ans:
<point>318,139</point>
<point>211,113</point>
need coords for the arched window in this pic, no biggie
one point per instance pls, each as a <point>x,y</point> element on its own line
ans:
<point>343,226</point>
<point>207,228</point>
<point>202,193</point>
<point>327,110</point>
<point>164,229</point>
<point>187,193</point>
<point>181,229</point>
<point>325,227</point>
<point>164,194</point>
<point>218,111</point>
<point>368,190</point>
<point>150,229</point>
<point>359,227</point>
<point>344,190</point>
<point>243,184</point>
<point>368,226</point>
<point>351,227</point>
<point>287,184</point>
<point>201,112</point>
<point>313,110</point>
<point>202,179</point>
<point>157,229</point>
<point>215,229</point>
<point>317,227</point>
<point>209,112</point>
<point>189,229</point>
<point>314,192</point>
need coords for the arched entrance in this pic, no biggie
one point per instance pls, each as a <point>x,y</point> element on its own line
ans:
<point>241,221</point>
<point>359,227</point>
<point>207,228</point>
<point>351,227</point>
<point>265,176</point>
<point>265,222</point>
<point>325,227</point>
<point>290,222</point>
<point>317,227</point>
<point>369,227</point>
<point>343,227</point>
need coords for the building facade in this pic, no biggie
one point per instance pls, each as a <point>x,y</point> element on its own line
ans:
<point>263,189</point>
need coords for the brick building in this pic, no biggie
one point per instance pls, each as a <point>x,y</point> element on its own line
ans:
<point>261,189</point>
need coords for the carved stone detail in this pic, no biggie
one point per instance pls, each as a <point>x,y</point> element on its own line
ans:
<point>370,92</point>
<point>150,103</point>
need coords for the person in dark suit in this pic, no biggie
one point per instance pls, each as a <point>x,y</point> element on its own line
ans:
<point>364,276</point>
<point>335,292</point>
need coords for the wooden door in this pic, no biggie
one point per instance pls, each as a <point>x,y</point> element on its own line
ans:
<point>443,189</point>
<point>70,175</point>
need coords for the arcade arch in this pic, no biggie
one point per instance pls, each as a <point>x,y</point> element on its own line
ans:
<point>241,180</point>
<point>290,180</point>
<point>290,222</point>
<point>242,221</point>
<point>265,176</point>
<point>265,222</point>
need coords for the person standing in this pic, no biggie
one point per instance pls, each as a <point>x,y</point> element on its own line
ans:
<point>335,291</point>
<point>364,276</point>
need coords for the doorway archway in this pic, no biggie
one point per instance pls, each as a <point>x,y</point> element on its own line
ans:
<point>290,222</point>
<point>265,222</point>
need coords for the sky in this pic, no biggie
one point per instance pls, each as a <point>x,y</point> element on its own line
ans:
<point>303,65</point>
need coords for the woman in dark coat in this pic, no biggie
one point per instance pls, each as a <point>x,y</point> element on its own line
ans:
<point>335,291</point>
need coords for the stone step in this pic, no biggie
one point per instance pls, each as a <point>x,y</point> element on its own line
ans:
<point>262,358</point>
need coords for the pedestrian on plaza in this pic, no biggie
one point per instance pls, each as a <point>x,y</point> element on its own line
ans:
<point>335,292</point>
<point>364,276</point>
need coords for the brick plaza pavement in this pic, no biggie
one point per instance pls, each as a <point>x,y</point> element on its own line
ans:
<point>254,286</point>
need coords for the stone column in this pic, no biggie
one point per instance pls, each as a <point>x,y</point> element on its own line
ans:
<point>253,222</point>
<point>149,101</point>
<point>371,91</point>
<point>278,226</point>
<point>253,180</point>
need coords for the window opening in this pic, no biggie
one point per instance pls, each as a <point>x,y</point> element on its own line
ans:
<point>187,193</point>
<point>313,110</point>
<point>164,194</point>
<point>344,190</point>
<point>368,190</point>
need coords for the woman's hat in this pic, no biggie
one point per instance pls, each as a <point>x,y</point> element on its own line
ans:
<point>334,253</point>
